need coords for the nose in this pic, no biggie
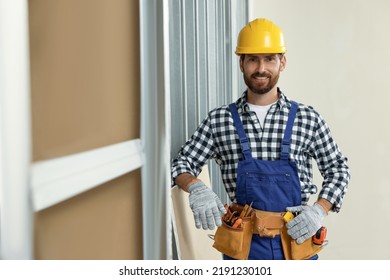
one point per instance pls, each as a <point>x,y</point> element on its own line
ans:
<point>260,66</point>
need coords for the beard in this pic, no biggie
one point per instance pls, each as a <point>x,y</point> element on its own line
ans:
<point>260,87</point>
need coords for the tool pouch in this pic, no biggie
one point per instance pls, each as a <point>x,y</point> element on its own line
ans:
<point>234,242</point>
<point>268,224</point>
<point>294,251</point>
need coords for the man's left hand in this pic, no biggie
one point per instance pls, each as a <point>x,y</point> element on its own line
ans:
<point>306,224</point>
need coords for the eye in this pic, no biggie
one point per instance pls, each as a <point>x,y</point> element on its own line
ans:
<point>252,59</point>
<point>270,58</point>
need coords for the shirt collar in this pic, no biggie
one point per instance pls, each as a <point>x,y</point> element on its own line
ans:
<point>243,104</point>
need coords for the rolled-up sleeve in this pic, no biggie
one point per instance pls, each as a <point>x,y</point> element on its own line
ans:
<point>195,153</point>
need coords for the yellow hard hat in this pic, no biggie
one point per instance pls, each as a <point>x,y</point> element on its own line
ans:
<point>260,36</point>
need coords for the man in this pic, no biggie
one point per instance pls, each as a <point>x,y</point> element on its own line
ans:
<point>264,144</point>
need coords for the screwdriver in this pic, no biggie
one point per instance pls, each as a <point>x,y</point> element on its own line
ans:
<point>246,211</point>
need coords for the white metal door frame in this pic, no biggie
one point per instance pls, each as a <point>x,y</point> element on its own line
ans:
<point>15,139</point>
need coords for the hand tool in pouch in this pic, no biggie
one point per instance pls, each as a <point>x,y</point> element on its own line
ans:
<point>319,238</point>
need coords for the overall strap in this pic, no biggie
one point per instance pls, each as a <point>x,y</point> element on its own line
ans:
<point>285,148</point>
<point>245,146</point>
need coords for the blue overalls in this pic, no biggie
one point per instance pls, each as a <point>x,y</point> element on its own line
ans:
<point>269,185</point>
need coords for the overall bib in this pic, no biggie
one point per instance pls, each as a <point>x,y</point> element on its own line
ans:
<point>268,185</point>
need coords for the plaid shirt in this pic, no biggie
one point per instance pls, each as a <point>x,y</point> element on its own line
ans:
<point>216,138</point>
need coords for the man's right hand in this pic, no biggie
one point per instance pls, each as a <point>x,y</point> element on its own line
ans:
<point>206,206</point>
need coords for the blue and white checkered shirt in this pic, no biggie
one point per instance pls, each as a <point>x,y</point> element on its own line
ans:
<point>216,138</point>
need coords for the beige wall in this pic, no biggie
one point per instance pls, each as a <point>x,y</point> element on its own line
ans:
<point>338,61</point>
<point>85,95</point>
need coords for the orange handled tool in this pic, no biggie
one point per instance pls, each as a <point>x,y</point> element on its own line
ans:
<point>319,237</point>
<point>237,223</point>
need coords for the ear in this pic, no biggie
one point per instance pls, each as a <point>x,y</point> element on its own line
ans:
<point>283,61</point>
<point>242,64</point>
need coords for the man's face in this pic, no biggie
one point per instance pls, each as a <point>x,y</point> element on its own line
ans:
<point>261,71</point>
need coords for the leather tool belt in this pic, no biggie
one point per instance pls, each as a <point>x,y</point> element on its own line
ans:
<point>264,223</point>
<point>235,242</point>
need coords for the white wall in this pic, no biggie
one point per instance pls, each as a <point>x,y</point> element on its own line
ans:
<point>338,61</point>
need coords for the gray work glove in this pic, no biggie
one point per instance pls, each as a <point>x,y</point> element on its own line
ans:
<point>306,224</point>
<point>205,205</point>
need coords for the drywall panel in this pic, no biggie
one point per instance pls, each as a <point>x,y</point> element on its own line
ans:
<point>84,75</point>
<point>103,223</point>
